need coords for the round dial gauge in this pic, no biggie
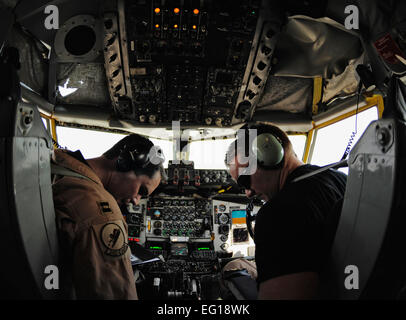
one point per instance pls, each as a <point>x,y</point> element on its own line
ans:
<point>223,218</point>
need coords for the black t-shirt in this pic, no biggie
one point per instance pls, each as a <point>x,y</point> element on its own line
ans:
<point>290,229</point>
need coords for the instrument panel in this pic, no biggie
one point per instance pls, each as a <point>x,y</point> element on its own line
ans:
<point>188,236</point>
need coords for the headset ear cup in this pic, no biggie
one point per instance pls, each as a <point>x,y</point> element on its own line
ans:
<point>123,164</point>
<point>137,157</point>
<point>269,151</point>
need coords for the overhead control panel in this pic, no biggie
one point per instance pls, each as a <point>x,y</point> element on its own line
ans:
<point>186,60</point>
<point>183,175</point>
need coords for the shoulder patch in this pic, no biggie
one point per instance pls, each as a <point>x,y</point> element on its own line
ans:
<point>104,207</point>
<point>113,238</point>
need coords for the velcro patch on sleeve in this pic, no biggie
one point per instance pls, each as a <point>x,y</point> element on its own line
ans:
<point>113,238</point>
<point>104,207</point>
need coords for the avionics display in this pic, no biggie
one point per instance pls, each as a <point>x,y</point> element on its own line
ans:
<point>179,249</point>
<point>238,216</point>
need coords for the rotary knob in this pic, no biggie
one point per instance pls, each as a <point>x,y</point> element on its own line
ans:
<point>152,119</point>
<point>208,121</point>
<point>219,122</point>
<point>133,219</point>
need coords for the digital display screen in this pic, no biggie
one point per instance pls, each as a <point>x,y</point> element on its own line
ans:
<point>240,235</point>
<point>157,213</point>
<point>179,249</point>
<point>238,216</point>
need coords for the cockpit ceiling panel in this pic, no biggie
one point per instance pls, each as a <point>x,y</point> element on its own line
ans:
<point>286,94</point>
<point>206,70</point>
<point>82,84</point>
<point>33,70</point>
<point>310,47</point>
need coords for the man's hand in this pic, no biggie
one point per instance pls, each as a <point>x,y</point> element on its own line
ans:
<point>297,286</point>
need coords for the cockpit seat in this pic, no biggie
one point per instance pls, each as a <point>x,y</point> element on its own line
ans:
<point>239,278</point>
<point>241,284</point>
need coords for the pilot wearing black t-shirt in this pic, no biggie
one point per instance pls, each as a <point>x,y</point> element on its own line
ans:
<point>291,238</point>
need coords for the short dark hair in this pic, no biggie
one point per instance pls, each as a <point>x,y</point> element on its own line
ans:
<point>236,149</point>
<point>130,142</point>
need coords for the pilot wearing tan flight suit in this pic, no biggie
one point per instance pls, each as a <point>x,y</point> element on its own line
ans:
<point>95,256</point>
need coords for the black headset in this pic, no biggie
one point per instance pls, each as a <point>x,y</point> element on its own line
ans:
<point>139,156</point>
<point>270,155</point>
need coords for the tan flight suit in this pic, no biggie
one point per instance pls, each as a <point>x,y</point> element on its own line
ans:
<point>240,264</point>
<point>93,235</point>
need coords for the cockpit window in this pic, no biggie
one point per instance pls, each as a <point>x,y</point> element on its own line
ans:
<point>45,122</point>
<point>332,140</point>
<point>94,143</point>
<point>298,142</point>
<point>209,154</point>
<point>91,143</point>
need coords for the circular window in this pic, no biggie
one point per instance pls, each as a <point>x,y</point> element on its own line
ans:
<point>80,40</point>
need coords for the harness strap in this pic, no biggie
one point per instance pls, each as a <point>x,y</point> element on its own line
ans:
<point>59,170</point>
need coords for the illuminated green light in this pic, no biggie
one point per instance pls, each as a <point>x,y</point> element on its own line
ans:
<point>203,248</point>
<point>159,248</point>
